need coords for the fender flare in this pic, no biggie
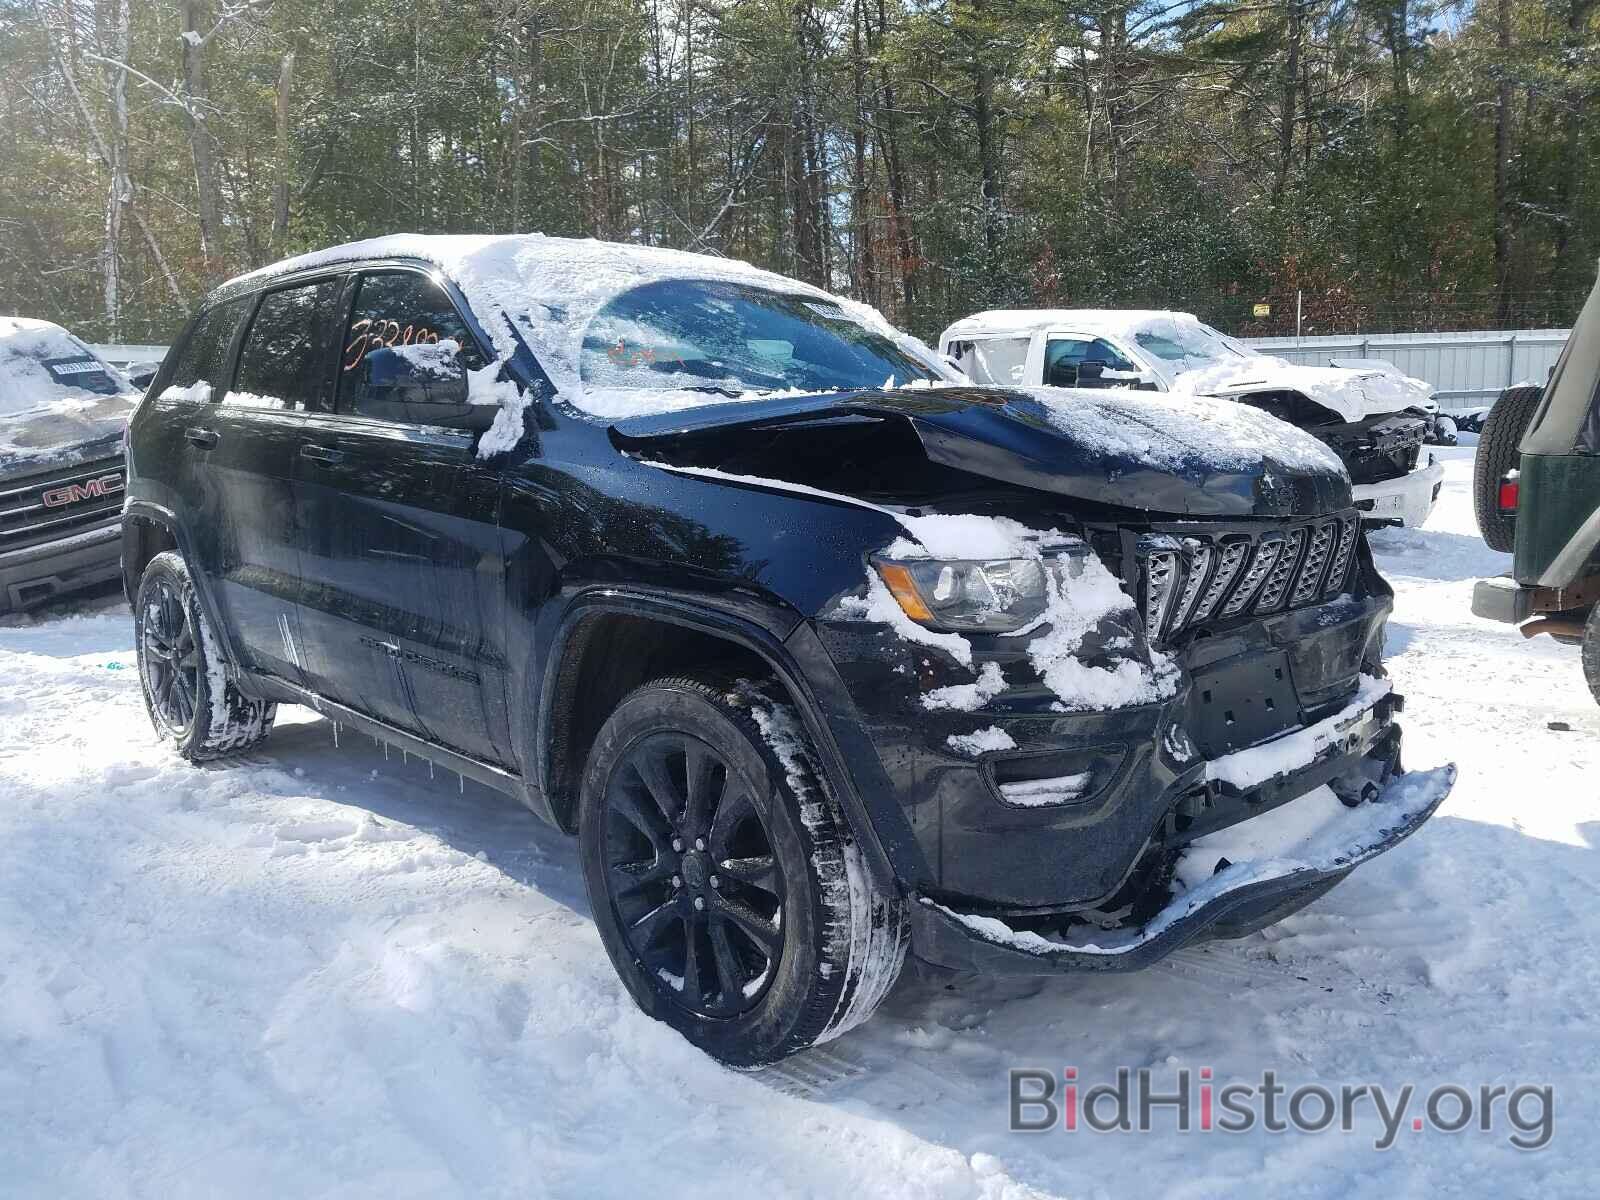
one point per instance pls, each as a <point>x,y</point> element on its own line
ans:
<point>741,631</point>
<point>167,520</point>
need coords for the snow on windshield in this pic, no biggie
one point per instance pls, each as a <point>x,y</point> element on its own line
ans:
<point>549,290</point>
<point>1182,344</point>
<point>42,364</point>
<point>718,338</point>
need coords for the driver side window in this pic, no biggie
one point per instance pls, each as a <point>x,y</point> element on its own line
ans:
<point>1064,359</point>
<point>395,310</point>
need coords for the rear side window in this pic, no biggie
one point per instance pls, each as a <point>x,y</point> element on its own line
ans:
<point>283,362</point>
<point>203,358</point>
<point>394,309</point>
<point>997,362</point>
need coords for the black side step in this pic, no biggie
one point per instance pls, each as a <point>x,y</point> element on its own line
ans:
<point>498,778</point>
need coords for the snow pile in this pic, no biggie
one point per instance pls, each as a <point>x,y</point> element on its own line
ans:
<point>433,360</point>
<point>1040,793</point>
<point>880,606</point>
<point>1108,322</point>
<point>1245,769</point>
<point>1180,433</point>
<point>198,392</point>
<point>967,697</point>
<point>488,386</point>
<point>254,400</point>
<point>981,741</point>
<point>1351,394</point>
<point>1082,596</point>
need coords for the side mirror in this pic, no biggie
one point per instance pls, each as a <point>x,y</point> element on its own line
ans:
<point>1091,372</point>
<point>425,384</point>
<point>430,373</point>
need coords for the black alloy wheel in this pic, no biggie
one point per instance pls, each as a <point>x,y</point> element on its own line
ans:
<point>191,701</point>
<point>171,657</point>
<point>726,885</point>
<point>692,875</point>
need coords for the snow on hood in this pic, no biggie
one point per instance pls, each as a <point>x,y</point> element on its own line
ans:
<point>1174,431</point>
<point>56,395</point>
<point>1353,395</point>
<point>550,289</point>
<point>1185,456</point>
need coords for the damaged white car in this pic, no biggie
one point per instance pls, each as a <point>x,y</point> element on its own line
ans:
<point>1374,417</point>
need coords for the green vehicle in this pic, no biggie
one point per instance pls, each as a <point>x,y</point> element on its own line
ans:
<point>1537,490</point>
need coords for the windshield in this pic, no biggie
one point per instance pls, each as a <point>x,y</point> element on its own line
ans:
<point>1187,345</point>
<point>40,364</point>
<point>718,338</point>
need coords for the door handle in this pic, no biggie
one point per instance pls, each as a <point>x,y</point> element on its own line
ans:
<point>321,454</point>
<point>206,439</point>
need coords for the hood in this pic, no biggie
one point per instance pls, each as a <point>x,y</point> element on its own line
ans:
<point>63,432</point>
<point>1351,394</point>
<point>1179,456</point>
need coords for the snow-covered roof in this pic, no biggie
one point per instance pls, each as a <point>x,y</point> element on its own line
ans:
<point>552,287</point>
<point>11,326</point>
<point>1032,320</point>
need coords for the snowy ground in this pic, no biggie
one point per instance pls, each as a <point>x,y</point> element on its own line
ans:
<point>321,973</point>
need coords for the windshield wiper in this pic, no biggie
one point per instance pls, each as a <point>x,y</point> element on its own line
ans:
<point>718,389</point>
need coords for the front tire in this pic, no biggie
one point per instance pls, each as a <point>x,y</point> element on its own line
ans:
<point>186,691</point>
<point>1499,450</point>
<point>723,877</point>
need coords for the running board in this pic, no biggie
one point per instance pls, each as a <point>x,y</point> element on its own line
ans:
<point>497,778</point>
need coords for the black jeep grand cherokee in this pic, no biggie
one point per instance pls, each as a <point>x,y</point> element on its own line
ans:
<point>822,655</point>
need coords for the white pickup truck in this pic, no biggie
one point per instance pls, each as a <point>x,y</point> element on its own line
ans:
<point>1375,418</point>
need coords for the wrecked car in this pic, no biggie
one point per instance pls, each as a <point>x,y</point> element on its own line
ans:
<point>1537,490</point>
<point>826,658</point>
<point>1375,419</point>
<point>62,413</point>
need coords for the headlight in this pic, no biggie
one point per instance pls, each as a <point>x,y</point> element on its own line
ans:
<point>967,595</point>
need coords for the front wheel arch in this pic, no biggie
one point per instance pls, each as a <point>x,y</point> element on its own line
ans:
<point>560,747</point>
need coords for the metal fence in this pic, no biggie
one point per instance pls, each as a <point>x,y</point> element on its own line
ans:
<point>126,355</point>
<point>1467,370</point>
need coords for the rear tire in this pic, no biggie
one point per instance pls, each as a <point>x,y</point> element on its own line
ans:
<point>191,702</point>
<point>724,880</point>
<point>1498,452</point>
<point>1591,652</point>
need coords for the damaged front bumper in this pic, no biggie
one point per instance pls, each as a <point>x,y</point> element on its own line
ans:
<point>1238,899</point>
<point>1407,500</point>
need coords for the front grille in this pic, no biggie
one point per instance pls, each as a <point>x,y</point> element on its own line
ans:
<point>57,504</point>
<point>1188,581</point>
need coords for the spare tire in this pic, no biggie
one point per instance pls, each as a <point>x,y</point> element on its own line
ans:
<point>1498,452</point>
